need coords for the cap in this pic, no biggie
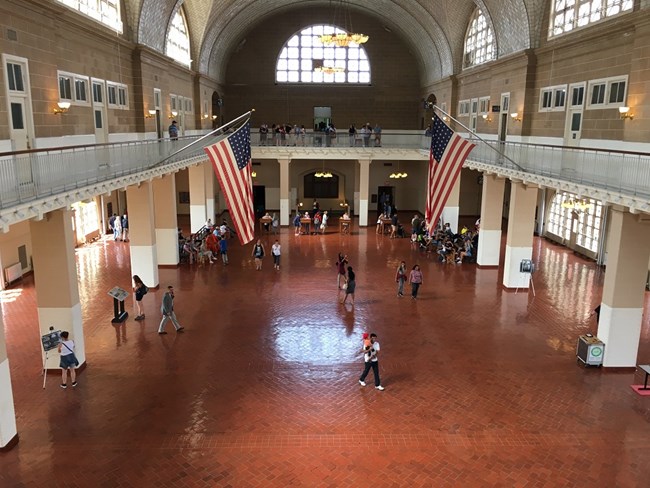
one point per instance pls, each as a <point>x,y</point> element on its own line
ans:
<point>365,335</point>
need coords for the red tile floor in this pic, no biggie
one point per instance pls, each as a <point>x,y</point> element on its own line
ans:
<point>482,385</point>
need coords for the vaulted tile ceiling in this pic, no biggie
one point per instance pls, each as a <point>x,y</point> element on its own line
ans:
<point>435,29</point>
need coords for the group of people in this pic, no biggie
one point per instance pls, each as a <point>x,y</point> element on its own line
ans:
<point>119,226</point>
<point>317,218</point>
<point>259,252</point>
<point>450,247</point>
<point>345,279</point>
<point>166,307</point>
<point>208,243</point>
<point>414,278</point>
<point>364,134</point>
<point>282,135</point>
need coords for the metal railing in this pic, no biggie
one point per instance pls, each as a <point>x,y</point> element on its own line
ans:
<point>29,175</point>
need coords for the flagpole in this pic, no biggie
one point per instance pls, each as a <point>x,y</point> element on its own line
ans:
<point>209,134</point>
<point>479,137</point>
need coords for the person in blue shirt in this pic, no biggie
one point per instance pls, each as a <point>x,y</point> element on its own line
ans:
<point>223,249</point>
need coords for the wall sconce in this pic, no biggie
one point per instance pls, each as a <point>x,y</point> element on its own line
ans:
<point>254,174</point>
<point>173,114</point>
<point>487,118</point>
<point>625,113</point>
<point>515,117</point>
<point>214,117</point>
<point>62,108</point>
<point>206,116</point>
<point>150,115</point>
<point>445,118</point>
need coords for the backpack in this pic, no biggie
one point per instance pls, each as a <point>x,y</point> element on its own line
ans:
<point>145,289</point>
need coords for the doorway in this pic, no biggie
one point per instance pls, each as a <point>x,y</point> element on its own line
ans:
<point>322,118</point>
<point>259,200</point>
<point>19,104</point>
<point>573,125</point>
<point>385,199</point>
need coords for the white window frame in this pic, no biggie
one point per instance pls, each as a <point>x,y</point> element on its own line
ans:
<point>157,99</point>
<point>607,82</point>
<point>576,12</point>
<point>572,86</point>
<point>553,92</point>
<point>73,79</point>
<point>106,12</point>
<point>463,108</point>
<point>483,105</point>
<point>100,83</point>
<point>188,106</point>
<point>121,91</point>
<point>173,102</point>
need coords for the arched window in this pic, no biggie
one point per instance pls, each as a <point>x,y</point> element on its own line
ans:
<point>178,41</point>
<point>304,59</point>
<point>573,14</point>
<point>480,46</point>
<point>587,212</point>
<point>105,11</point>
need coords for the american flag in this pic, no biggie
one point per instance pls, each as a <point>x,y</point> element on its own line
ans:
<point>448,153</point>
<point>231,160</point>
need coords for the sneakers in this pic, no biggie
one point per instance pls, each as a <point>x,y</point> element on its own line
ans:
<point>74,383</point>
<point>380,388</point>
<point>161,333</point>
<point>180,329</point>
<point>63,385</point>
<point>139,317</point>
<point>362,383</point>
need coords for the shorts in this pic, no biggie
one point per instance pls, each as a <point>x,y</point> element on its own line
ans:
<point>68,361</point>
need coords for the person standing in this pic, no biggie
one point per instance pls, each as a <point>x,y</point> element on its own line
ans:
<point>125,227</point>
<point>352,284</point>
<point>111,224</point>
<point>377,132</point>
<point>415,278</point>
<point>323,224</point>
<point>139,290</point>
<point>258,254</point>
<point>223,248</point>
<point>68,360</point>
<point>400,278</point>
<point>173,131</point>
<point>117,228</point>
<point>167,310</point>
<point>275,251</point>
<point>352,133</point>
<point>371,361</point>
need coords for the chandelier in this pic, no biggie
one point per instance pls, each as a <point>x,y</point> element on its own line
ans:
<point>577,204</point>
<point>329,70</point>
<point>348,36</point>
<point>398,174</point>
<point>323,174</point>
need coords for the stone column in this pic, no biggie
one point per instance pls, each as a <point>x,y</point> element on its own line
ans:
<point>285,207</point>
<point>621,311</point>
<point>519,242</point>
<point>364,186</point>
<point>489,240</point>
<point>210,179</point>
<point>196,176</point>
<point>8,430</point>
<point>452,209</point>
<point>144,258</point>
<point>55,276</point>
<point>166,220</point>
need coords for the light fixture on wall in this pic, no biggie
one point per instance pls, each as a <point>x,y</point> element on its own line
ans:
<point>61,108</point>
<point>254,174</point>
<point>487,118</point>
<point>515,117</point>
<point>173,114</point>
<point>214,117</point>
<point>206,116</point>
<point>625,113</point>
<point>341,17</point>
<point>398,174</point>
<point>150,115</point>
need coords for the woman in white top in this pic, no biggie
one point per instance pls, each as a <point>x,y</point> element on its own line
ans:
<point>68,360</point>
<point>275,251</point>
<point>323,224</point>
<point>117,226</point>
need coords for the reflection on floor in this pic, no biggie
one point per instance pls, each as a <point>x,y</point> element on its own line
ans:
<point>482,385</point>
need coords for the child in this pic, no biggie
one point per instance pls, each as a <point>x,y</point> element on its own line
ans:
<point>367,343</point>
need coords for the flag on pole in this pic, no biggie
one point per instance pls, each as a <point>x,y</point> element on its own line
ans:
<point>448,153</point>
<point>231,160</point>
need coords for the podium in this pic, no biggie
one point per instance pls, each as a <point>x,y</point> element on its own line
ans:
<point>590,350</point>
<point>119,295</point>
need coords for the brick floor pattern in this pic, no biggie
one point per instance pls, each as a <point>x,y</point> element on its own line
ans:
<point>482,385</point>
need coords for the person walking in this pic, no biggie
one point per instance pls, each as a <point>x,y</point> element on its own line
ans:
<point>223,248</point>
<point>125,227</point>
<point>258,254</point>
<point>68,360</point>
<point>400,278</point>
<point>352,284</point>
<point>139,290</point>
<point>371,361</point>
<point>415,278</point>
<point>173,131</point>
<point>117,228</point>
<point>275,251</point>
<point>323,224</point>
<point>340,269</point>
<point>167,310</point>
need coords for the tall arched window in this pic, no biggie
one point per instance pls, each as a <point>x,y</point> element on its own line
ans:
<point>587,214</point>
<point>105,11</point>
<point>573,14</point>
<point>178,40</point>
<point>480,46</point>
<point>304,59</point>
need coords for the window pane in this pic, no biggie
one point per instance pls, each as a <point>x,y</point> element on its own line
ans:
<point>17,119</point>
<point>80,90</point>
<point>178,40</point>
<point>98,119</point>
<point>97,93</point>
<point>65,90</point>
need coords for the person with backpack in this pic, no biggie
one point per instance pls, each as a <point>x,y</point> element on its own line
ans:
<point>139,290</point>
<point>317,221</point>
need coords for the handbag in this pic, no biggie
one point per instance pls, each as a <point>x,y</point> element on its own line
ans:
<point>74,356</point>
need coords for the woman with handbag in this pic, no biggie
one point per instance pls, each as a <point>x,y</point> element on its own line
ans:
<point>139,290</point>
<point>68,360</point>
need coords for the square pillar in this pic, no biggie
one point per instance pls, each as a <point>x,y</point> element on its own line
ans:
<point>364,186</point>
<point>489,237</point>
<point>451,209</point>
<point>8,429</point>
<point>166,220</point>
<point>198,216</point>
<point>285,208</point>
<point>144,256</point>
<point>519,242</point>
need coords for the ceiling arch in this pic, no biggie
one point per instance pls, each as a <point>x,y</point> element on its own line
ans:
<point>433,29</point>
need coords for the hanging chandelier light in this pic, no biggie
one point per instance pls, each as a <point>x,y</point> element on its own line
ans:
<point>580,204</point>
<point>343,18</point>
<point>398,174</point>
<point>323,174</point>
<point>329,70</point>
